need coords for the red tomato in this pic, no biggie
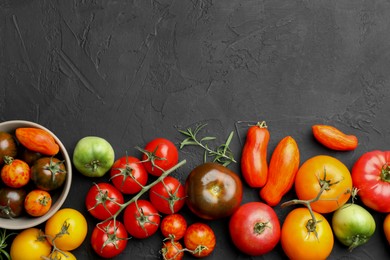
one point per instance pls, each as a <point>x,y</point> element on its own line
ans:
<point>173,226</point>
<point>168,196</point>
<point>141,219</point>
<point>172,250</point>
<point>15,173</point>
<point>159,155</point>
<point>128,175</point>
<point>103,200</point>
<point>199,239</point>
<point>254,228</point>
<point>37,203</point>
<point>254,166</point>
<point>371,176</point>
<point>109,238</point>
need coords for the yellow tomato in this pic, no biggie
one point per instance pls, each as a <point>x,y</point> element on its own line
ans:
<point>68,228</point>
<point>63,255</point>
<point>30,244</point>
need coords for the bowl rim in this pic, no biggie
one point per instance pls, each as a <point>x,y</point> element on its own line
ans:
<point>25,222</point>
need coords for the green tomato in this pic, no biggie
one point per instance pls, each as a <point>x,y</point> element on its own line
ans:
<point>93,156</point>
<point>353,225</point>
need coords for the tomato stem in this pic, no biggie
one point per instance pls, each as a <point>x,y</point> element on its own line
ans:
<point>385,173</point>
<point>260,227</point>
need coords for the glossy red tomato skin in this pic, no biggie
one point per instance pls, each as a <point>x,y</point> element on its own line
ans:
<point>15,173</point>
<point>213,191</point>
<point>100,235</point>
<point>173,226</point>
<point>168,196</point>
<point>371,175</point>
<point>128,175</point>
<point>102,200</point>
<point>255,228</point>
<point>200,235</point>
<point>254,165</point>
<point>172,250</point>
<point>164,154</point>
<point>141,223</point>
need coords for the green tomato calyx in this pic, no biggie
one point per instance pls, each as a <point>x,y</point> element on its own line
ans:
<point>385,173</point>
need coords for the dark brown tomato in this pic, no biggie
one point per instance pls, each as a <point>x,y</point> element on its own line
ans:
<point>30,156</point>
<point>8,146</point>
<point>213,191</point>
<point>11,202</point>
<point>48,173</point>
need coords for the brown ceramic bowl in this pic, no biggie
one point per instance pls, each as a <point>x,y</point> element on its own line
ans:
<point>58,196</point>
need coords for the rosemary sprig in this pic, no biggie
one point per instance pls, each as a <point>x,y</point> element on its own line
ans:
<point>222,154</point>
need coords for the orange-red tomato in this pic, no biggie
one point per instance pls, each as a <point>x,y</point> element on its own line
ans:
<point>301,239</point>
<point>15,173</point>
<point>37,203</point>
<point>333,138</point>
<point>386,227</point>
<point>323,170</point>
<point>200,239</point>
<point>37,140</point>
<point>172,250</point>
<point>254,166</point>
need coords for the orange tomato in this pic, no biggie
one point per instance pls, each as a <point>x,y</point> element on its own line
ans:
<point>300,239</point>
<point>386,227</point>
<point>37,140</point>
<point>333,138</point>
<point>30,244</point>
<point>37,203</point>
<point>324,170</point>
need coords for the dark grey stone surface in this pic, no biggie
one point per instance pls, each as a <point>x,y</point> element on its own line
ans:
<point>129,71</point>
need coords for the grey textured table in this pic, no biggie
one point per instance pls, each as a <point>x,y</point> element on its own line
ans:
<point>129,71</point>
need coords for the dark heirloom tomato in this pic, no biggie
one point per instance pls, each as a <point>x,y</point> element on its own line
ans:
<point>371,176</point>
<point>7,146</point>
<point>11,202</point>
<point>48,173</point>
<point>213,191</point>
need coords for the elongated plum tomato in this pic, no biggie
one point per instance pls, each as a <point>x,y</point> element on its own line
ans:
<point>328,173</point>
<point>371,176</point>
<point>302,238</point>
<point>333,138</point>
<point>213,191</point>
<point>353,225</point>
<point>38,140</point>
<point>254,166</point>
<point>254,228</point>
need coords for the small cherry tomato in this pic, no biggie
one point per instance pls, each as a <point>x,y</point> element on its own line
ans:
<point>199,239</point>
<point>173,226</point>
<point>172,250</point>
<point>109,238</point>
<point>128,175</point>
<point>38,140</point>
<point>37,203</point>
<point>141,219</point>
<point>159,155</point>
<point>15,173</point>
<point>168,196</point>
<point>102,200</point>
